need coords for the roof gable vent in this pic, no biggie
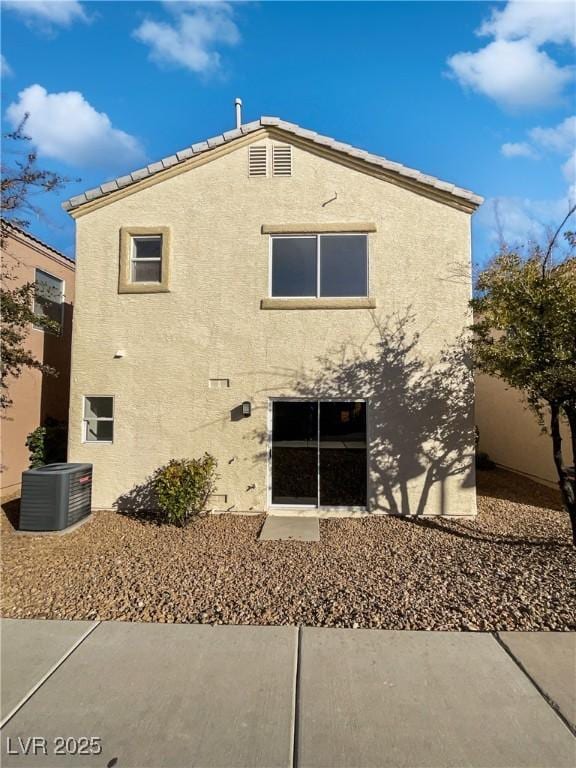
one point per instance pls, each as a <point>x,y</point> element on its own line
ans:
<point>257,160</point>
<point>282,160</point>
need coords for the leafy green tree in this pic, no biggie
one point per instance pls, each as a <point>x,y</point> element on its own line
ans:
<point>17,316</point>
<point>21,180</point>
<point>525,334</point>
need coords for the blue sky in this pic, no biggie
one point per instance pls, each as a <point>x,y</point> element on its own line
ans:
<point>480,94</point>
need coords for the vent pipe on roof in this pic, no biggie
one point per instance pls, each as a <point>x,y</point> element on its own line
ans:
<point>238,105</point>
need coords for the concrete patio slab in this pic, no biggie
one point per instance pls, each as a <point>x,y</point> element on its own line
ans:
<point>550,660</point>
<point>280,528</point>
<point>371,699</point>
<point>29,650</point>
<point>168,695</point>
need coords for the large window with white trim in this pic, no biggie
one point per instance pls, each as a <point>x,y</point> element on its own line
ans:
<point>311,266</point>
<point>98,419</point>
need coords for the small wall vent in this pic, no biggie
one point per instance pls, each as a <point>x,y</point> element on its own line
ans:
<point>282,160</point>
<point>257,160</point>
<point>218,383</point>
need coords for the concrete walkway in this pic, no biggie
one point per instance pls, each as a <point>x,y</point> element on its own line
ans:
<point>285,528</point>
<point>158,695</point>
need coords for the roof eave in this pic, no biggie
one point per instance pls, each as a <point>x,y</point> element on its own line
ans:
<point>182,160</point>
<point>24,236</point>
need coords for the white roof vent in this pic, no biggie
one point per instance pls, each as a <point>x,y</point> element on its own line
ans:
<point>282,160</point>
<point>257,160</point>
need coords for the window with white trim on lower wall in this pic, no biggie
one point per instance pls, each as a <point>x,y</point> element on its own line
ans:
<point>49,297</point>
<point>98,421</point>
<point>319,266</point>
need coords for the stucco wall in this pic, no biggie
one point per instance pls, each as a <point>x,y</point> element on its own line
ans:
<point>211,325</point>
<point>511,435</point>
<point>34,395</point>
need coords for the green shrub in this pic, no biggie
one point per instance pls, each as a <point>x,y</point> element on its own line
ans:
<point>182,487</point>
<point>47,444</point>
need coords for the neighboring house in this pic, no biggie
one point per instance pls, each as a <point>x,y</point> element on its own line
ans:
<point>36,396</point>
<point>228,300</point>
<point>511,435</point>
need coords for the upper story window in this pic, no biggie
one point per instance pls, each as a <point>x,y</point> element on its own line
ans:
<point>49,297</point>
<point>144,260</point>
<point>328,266</point>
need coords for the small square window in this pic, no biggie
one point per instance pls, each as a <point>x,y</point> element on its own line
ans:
<point>147,259</point>
<point>144,260</point>
<point>98,419</point>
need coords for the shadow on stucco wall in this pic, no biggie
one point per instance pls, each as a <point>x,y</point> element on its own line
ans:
<point>55,389</point>
<point>140,503</point>
<point>420,430</point>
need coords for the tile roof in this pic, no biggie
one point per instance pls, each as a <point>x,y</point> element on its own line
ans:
<point>270,122</point>
<point>18,231</point>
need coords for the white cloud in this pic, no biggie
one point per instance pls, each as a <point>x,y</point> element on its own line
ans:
<point>517,149</point>
<point>189,40</point>
<point>541,22</point>
<point>5,68</point>
<point>64,126</point>
<point>513,69</point>
<point>561,138</point>
<point>517,219</point>
<point>47,13</point>
<point>514,73</point>
<point>569,171</point>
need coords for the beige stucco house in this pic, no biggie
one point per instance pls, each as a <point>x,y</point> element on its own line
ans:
<point>511,435</point>
<point>36,396</point>
<point>256,296</point>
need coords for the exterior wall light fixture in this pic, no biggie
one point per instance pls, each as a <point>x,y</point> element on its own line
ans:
<point>246,408</point>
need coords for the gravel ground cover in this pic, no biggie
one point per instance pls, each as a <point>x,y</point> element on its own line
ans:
<point>511,568</point>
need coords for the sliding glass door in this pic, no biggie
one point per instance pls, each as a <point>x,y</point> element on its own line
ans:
<point>342,454</point>
<point>295,453</point>
<point>318,453</point>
